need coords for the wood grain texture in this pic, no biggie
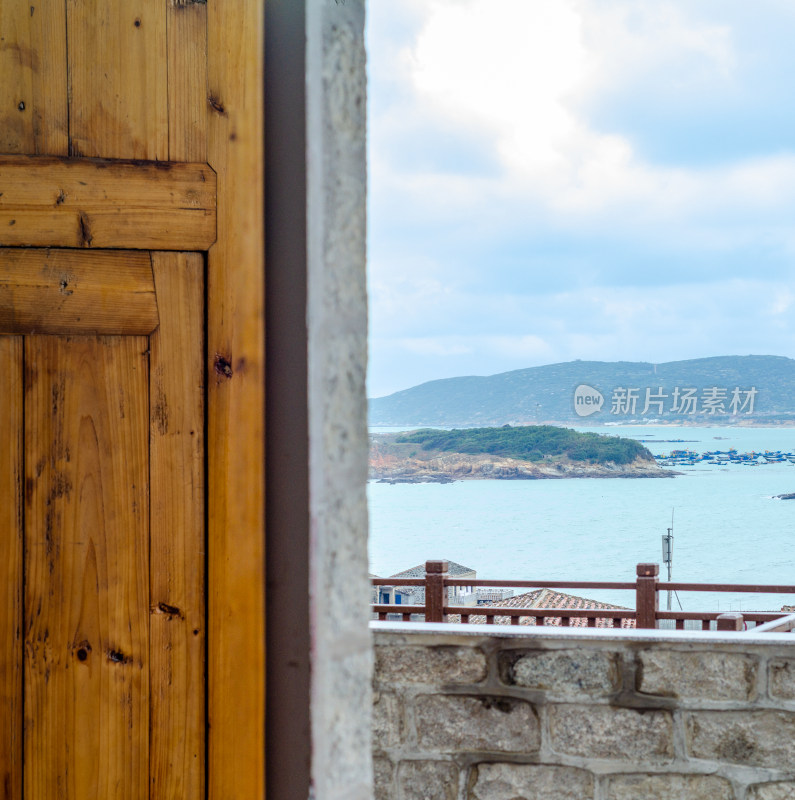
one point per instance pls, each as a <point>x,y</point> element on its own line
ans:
<point>11,535</point>
<point>76,291</point>
<point>177,543</point>
<point>86,568</point>
<point>187,80</point>
<point>33,112</point>
<point>118,80</point>
<point>236,625</point>
<point>54,202</point>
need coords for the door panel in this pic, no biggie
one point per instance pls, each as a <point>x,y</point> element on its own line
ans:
<point>109,608</point>
<point>69,291</point>
<point>118,107</point>
<point>34,115</point>
<point>51,202</point>
<point>11,535</point>
<point>178,551</point>
<point>86,567</point>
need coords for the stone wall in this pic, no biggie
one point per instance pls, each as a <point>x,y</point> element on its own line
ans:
<point>499,714</point>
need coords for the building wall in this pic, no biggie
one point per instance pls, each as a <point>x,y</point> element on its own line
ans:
<point>582,715</point>
<point>337,356</point>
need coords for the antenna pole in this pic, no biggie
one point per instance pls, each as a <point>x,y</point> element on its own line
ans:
<point>670,539</point>
<point>668,554</point>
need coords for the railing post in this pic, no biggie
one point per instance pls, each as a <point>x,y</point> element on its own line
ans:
<point>646,602</point>
<point>731,622</point>
<point>435,573</point>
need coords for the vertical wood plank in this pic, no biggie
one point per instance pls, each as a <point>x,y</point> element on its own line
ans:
<point>177,545</point>
<point>33,115</point>
<point>11,534</point>
<point>118,86</point>
<point>187,80</point>
<point>86,568</point>
<point>235,347</point>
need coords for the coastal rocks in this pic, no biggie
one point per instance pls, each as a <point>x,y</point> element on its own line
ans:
<point>790,496</point>
<point>389,468</point>
<point>440,478</point>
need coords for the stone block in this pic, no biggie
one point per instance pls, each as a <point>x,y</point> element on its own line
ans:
<point>427,780</point>
<point>698,676</point>
<point>382,779</point>
<point>608,732</point>
<point>750,738</point>
<point>530,782</point>
<point>442,666</point>
<point>387,721</point>
<point>781,790</point>
<point>669,787</point>
<point>566,674</point>
<point>450,723</point>
<point>782,679</point>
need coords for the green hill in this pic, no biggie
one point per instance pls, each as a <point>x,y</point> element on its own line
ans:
<point>546,394</point>
<point>529,443</point>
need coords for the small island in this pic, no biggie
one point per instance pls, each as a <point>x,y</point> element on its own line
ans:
<point>527,452</point>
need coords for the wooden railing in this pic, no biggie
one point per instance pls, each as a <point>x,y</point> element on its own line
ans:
<point>781,625</point>
<point>646,613</point>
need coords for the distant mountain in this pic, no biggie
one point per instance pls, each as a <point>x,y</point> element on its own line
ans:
<point>720,390</point>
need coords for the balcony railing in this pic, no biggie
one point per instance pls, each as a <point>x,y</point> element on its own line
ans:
<point>646,613</point>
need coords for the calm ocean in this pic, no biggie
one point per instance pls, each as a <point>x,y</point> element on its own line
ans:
<point>727,527</point>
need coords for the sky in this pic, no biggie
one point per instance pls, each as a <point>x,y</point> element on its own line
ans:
<point>561,179</point>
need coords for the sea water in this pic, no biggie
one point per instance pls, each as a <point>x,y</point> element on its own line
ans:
<point>728,528</point>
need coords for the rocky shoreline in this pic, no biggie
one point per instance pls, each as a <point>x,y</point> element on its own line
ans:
<point>448,467</point>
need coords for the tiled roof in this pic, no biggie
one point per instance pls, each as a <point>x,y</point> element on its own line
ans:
<point>453,569</point>
<point>548,598</point>
<point>526,600</point>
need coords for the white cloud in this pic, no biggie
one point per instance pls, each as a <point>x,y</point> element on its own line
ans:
<point>505,67</point>
<point>782,302</point>
<point>521,74</point>
<point>436,345</point>
<point>592,323</point>
<point>631,40</point>
<point>653,258</point>
<point>523,348</point>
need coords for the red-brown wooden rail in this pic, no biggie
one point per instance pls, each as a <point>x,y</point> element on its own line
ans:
<point>646,614</point>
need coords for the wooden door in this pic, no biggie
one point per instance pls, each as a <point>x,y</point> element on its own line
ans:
<point>104,624</point>
<point>131,394</point>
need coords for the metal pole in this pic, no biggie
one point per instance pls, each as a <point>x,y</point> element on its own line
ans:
<point>670,558</point>
<point>668,555</point>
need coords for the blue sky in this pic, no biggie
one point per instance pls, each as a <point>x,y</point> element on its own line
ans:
<point>561,179</point>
